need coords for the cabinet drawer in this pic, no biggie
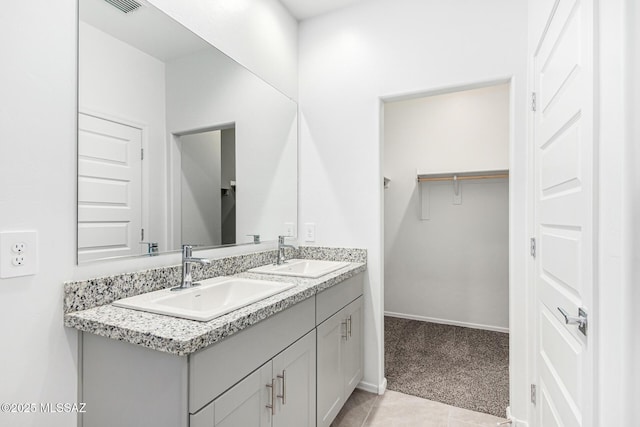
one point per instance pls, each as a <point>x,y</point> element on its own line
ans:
<point>333,299</point>
<point>218,367</point>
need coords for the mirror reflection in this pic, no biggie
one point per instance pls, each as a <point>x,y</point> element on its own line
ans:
<point>208,162</point>
<point>177,143</point>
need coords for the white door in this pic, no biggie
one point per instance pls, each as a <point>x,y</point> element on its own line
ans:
<point>564,207</point>
<point>109,188</point>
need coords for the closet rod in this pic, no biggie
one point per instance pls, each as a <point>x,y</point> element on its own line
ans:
<point>462,177</point>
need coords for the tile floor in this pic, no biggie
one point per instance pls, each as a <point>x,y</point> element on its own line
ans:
<point>395,409</point>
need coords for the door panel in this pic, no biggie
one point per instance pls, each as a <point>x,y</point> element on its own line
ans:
<point>109,188</point>
<point>330,395</point>
<point>561,352</point>
<point>561,261</point>
<point>548,413</point>
<point>295,372</point>
<point>564,206</point>
<point>245,403</point>
<point>353,347</point>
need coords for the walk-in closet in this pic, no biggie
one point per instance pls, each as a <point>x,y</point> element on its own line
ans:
<point>446,245</point>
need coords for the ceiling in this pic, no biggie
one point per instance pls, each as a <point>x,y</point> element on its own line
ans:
<point>147,29</point>
<point>304,9</point>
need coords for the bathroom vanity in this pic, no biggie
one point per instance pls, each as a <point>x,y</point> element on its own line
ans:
<point>289,360</point>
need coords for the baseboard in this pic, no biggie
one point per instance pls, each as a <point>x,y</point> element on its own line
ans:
<point>383,387</point>
<point>448,322</point>
<point>373,388</point>
<point>514,421</point>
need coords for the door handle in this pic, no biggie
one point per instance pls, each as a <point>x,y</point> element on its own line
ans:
<point>283,396</point>
<point>346,329</point>
<point>580,320</point>
<point>272,406</point>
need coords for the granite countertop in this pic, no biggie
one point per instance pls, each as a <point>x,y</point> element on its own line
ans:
<point>183,337</point>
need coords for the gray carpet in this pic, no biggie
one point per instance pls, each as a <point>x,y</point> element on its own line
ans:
<point>463,367</point>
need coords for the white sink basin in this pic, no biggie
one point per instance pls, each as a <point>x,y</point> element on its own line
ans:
<point>311,268</point>
<point>211,299</point>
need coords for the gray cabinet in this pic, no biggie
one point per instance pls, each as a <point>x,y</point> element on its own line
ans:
<point>312,371</point>
<point>339,360</point>
<point>281,393</point>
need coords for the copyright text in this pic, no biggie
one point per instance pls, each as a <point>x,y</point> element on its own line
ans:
<point>46,408</point>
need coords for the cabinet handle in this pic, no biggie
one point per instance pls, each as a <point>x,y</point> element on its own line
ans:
<point>349,324</point>
<point>272,386</point>
<point>346,329</point>
<point>283,396</point>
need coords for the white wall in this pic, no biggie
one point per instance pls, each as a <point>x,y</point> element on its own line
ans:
<point>259,34</point>
<point>453,267</point>
<point>38,122</point>
<point>465,130</point>
<point>38,361</point>
<point>352,58</point>
<point>122,83</point>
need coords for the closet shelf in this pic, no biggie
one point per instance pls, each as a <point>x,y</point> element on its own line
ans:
<point>462,176</point>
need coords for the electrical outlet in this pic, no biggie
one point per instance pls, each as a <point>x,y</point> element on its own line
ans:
<point>18,253</point>
<point>18,247</point>
<point>309,232</point>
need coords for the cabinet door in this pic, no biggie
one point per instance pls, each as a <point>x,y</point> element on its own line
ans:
<point>295,373</point>
<point>353,356</point>
<point>203,418</point>
<point>245,404</point>
<point>330,377</point>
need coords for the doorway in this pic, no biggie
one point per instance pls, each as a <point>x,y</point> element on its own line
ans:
<point>446,245</point>
<point>207,190</point>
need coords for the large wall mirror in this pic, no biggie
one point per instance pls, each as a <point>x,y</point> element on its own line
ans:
<point>177,143</point>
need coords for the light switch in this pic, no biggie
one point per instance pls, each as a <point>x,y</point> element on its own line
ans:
<point>309,232</point>
<point>289,229</point>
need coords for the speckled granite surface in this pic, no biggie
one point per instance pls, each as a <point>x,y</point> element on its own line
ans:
<point>88,308</point>
<point>332,254</point>
<point>85,294</point>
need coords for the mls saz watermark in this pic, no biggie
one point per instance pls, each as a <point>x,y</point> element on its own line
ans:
<point>44,408</point>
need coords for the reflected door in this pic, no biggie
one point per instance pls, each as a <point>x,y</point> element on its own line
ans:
<point>109,188</point>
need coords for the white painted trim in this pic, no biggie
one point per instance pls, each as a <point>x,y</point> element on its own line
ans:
<point>442,90</point>
<point>514,421</point>
<point>373,388</point>
<point>447,322</point>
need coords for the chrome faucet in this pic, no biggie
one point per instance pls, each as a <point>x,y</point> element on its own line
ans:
<point>187,260</point>
<point>281,245</point>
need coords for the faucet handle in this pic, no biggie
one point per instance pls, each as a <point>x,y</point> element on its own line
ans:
<point>256,238</point>
<point>281,240</point>
<point>152,247</point>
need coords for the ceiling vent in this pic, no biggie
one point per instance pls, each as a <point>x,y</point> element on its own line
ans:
<point>125,6</point>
